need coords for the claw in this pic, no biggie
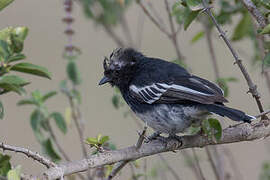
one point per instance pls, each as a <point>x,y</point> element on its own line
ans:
<point>152,137</point>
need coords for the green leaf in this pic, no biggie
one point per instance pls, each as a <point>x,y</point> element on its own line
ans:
<point>12,83</point>
<point>50,151</point>
<point>189,16</point>
<point>26,102</point>
<point>265,3</point>
<point>5,165</point>
<point>266,30</point>
<point>1,110</point>
<point>12,87</point>
<point>4,50</point>
<point>4,3</point>
<point>243,27</point>
<point>73,73</point>
<point>17,38</point>
<point>20,32</point>
<point>60,121</point>
<point>48,95</point>
<point>104,139</point>
<point>31,69</point>
<point>115,101</point>
<point>194,5</point>
<point>215,124</point>
<point>12,79</point>
<point>92,141</point>
<point>14,174</point>
<point>197,37</point>
<point>212,128</point>
<point>266,60</point>
<point>35,119</point>
<point>16,57</point>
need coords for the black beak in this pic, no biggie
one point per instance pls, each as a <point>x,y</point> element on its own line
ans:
<point>104,80</point>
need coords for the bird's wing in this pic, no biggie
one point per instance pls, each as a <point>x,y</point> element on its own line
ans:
<point>177,90</point>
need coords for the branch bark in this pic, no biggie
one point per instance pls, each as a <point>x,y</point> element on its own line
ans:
<point>232,134</point>
<point>34,155</point>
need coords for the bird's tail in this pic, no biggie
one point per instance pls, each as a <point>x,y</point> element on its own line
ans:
<point>231,113</point>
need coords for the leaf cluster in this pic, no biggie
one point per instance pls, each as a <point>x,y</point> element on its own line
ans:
<point>40,121</point>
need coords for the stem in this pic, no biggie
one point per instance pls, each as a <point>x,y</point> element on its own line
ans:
<point>197,163</point>
<point>158,25</point>
<point>173,35</point>
<point>61,150</point>
<point>251,85</point>
<point>112,34</point>
<point>126,30</point>
<point>192,165</point>
<point>214,167</point>
<point>165,162</point>
<point>76,115</point>
<point>211,50</point>
<point>145,169</point>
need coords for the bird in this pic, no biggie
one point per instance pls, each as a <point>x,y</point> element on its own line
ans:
<point>163,94</point>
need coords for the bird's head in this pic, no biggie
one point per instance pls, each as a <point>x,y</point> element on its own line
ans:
<point>119,69</point>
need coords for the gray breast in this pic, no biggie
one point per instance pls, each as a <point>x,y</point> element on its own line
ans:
<point>172,118</point>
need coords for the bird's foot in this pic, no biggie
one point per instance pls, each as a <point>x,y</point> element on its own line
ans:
<point>171,141</point>
<point>175,137</point>
<point>154,136</point>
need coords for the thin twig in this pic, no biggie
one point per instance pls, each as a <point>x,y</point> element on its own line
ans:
<point>158,25</point>
<point>54,138</point>
<point>252,87</point>
<point>133,175</point>
<point>34,155</point>
<point>112,34</point>
<point>233,163</point>
<point>262,114</point>
<point>155,13</point>
<point>139,32</point>
<point>192,164</point>
<point>211,160</point>
<point>197,163</point>
<point>145,169</point>
<point>254,11</point>
<point>173,35</point>
<point>76,115</point>
<point>211,50</point>
<point>165,162</point>
<point>121,164</point>
<point>126,30</point>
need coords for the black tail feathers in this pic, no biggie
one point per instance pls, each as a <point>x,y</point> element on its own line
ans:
<point>231,113</point>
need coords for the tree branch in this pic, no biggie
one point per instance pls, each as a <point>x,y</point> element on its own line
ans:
<point>252,87</point>
<point>34,155</point>
<point>232,134</point>
<point>255,12</point>
<point>159,26</point>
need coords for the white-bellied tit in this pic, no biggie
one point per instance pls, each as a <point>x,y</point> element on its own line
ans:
<point>163,94</point>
